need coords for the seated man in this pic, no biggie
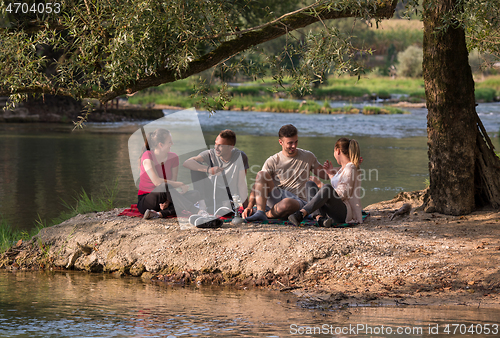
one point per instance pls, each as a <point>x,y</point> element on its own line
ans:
<point>214,171</point>
<point>281,184</point>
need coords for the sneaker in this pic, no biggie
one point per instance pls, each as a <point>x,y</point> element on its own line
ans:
<point>193,218</point>
<point>296,218</point>
<point>149,214</point>
<point>325,222</point>
<point>203,213</point>
<point>208,223</point>
<point>224,212</point>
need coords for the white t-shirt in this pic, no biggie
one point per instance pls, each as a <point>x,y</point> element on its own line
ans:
<point>234,170</point>
<point>347,184</point>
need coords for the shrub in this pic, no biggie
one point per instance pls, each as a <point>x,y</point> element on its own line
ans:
<point>410,62</point>
<point>485,94</point>
<point>370,110</point>
<point>310,107</point>
<point>284,106</point>
<point>248,90</point>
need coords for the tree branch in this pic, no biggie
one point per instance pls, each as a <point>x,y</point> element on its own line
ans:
<point>243,42</point>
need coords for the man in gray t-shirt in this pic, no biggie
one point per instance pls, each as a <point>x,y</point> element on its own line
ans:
<point>210,166</point>
<point>281,184</point>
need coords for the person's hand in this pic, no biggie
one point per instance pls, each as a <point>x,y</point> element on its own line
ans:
<point>315,180</point>
<point>360,160</point>
<point>184,188</point>
<point>165,205</point>
<point>215,170</point>
<point>247,212</point>
<point>328,166</point>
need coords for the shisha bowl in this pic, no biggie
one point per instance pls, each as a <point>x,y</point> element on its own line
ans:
<point>237,220</point>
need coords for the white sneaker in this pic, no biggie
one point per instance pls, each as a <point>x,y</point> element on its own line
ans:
<point>193,218</point>
<point>224,212</point>
<point>208,223</point>
<point>149,214</point>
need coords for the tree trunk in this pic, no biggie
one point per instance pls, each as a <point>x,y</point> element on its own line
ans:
<point>487,171</point>
<point>458,151</point>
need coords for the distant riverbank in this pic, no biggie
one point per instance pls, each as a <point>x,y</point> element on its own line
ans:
<point>379,95</point>
<point>54,109</point>
<point>266,96</point>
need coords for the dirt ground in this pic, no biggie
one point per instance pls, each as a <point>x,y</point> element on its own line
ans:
<point>417,258</point>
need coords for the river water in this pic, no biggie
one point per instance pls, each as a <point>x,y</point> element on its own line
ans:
<point>69,304</point>
<point>43,164</point>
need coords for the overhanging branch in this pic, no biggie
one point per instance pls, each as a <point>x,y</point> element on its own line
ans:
<point>242,41</point>
<point>246,41</point>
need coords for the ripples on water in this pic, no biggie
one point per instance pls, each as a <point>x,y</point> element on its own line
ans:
<point>70,304</point>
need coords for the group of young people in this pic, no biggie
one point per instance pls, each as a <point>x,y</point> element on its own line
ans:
<point>287,186</point>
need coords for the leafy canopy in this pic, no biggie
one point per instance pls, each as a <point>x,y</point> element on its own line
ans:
<point>106,48</point>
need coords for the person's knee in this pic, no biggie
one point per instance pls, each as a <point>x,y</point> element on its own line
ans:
<point>328,191</point>
<point>311,184</point>
<point>286,207</point>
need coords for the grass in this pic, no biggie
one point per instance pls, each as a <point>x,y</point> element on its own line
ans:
<point>485,94</point>
<point>256,95</point>
<point>9,236</point>
<point>487,89</point>
<point>370,110</point>
<point>340,89</point>
<point>490,82</point>
<point>85,203</point>
<point>244,102</point>
<point>285,106</point>
<point>398,24</point>
<point>168,99</point>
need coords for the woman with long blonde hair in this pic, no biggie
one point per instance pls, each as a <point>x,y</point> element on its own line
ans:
<point>339,201</point>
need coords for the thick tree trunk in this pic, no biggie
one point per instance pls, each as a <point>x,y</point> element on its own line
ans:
<point>458,151</point>
<point>487,173</point>
<point>451,121</point>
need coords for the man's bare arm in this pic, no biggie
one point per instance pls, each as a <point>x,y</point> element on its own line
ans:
<point>195,163</point>
<point>251,202</point>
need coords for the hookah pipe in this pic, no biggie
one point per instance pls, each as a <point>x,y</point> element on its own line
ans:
<point>237,218</point>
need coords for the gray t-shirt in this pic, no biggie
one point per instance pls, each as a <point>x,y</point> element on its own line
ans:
<point>291,173</point>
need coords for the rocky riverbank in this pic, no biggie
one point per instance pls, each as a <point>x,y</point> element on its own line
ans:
<point>416,258</point>
<point>56,109</point>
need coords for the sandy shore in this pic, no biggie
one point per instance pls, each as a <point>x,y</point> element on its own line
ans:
<point>417,258</point>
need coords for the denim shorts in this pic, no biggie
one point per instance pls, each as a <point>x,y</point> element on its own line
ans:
<point>279,194</point>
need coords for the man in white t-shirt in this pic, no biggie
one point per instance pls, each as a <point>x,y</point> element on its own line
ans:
<point>281,184</point>
<point>212,169</point>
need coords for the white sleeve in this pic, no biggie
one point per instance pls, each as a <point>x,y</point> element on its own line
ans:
<point>345,186</point>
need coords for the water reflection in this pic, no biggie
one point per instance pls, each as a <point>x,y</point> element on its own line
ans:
<point>69,304</point>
